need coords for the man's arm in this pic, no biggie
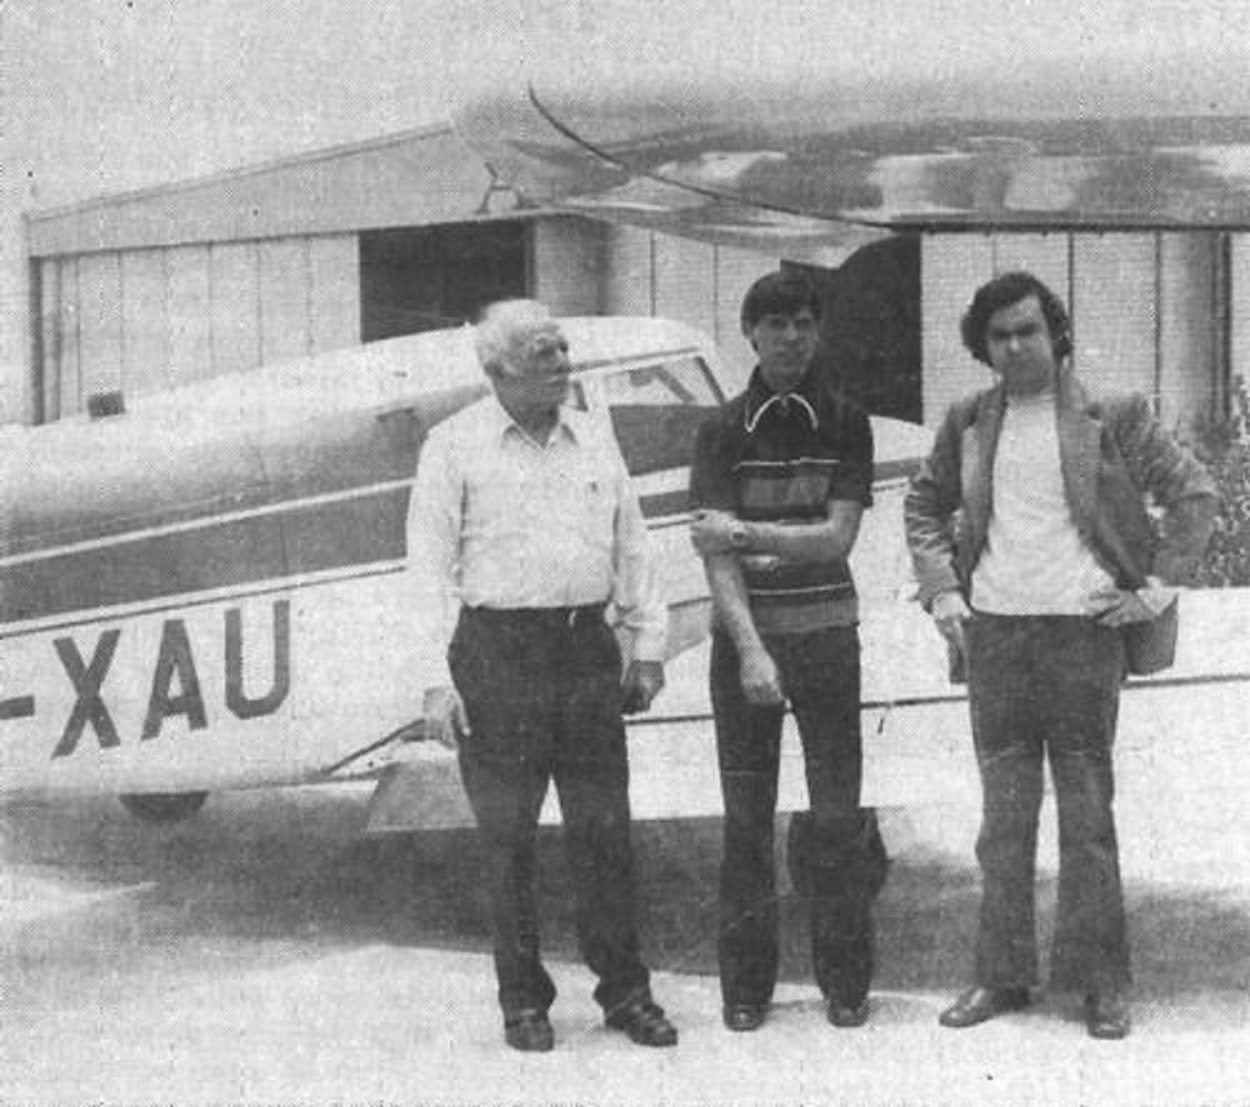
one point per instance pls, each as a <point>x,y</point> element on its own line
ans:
<point>640,607</point>
<point>827,540</point>
<point>928,515</point>
<point>433,532</point>
<point>761,683</point>
<point>1177,482</point>
<point>712,492</point>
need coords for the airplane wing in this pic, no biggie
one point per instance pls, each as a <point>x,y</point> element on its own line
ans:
<point>686,178</point>
<point>912,118</point>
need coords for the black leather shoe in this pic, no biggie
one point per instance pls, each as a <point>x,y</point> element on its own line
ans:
<point>744,1016</point>
<point>644,1022</point>
<point>1106,1016</point>
<point>845,1016</point>
<point>530,1032</point>
<point>979,1005</point>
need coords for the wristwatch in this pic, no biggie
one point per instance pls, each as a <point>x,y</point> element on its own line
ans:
<point>738,536</point>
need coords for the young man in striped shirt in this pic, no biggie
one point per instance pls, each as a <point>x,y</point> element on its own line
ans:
<point>780,479</point>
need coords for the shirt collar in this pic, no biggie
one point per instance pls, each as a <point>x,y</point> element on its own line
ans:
<point>504,425</point>
<point>761,399</point>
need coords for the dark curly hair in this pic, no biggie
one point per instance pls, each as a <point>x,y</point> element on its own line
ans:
<point>1003,291</point>
<point>784,292</point>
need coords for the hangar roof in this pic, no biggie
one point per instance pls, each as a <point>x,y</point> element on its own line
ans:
<point>414,178</point>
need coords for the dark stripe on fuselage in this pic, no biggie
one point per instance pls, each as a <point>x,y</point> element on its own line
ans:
<point>229,553</point>
<point>186,603</point>
<point>661,504</point>
<point>899,469</point>
<point>225,554</point>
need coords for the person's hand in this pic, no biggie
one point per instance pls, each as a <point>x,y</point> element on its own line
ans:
<point>443,717</point>
<point>1118,607</point>
<point>711,532</point>
<point>950,612</point>
<point>641,683</point>
<point>761,683</point>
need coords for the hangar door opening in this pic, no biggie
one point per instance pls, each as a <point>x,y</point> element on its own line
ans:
<point>870,326</point>
<point>416,279</point>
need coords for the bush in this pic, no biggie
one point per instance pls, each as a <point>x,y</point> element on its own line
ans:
<point>1225,448</point>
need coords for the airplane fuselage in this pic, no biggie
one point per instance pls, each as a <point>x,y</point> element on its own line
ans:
<point>209,591</point>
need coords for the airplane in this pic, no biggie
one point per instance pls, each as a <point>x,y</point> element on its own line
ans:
<point>204,589</point>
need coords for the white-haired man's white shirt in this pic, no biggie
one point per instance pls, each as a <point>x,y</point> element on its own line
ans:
<point>499,520</point>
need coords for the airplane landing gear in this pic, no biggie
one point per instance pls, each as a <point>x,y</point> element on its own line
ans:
<point>163,807</point>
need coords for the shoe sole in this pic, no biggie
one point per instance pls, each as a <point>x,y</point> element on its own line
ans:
<point>643,1040</point>
<point>959,1024</point>
<point>744,1026</point>
<point>533,1035</point>
<point>543,1046</point>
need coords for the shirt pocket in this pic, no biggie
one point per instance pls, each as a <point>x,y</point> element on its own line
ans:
<point>587,501</point>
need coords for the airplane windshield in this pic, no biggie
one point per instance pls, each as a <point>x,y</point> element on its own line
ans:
<point>656,410</point>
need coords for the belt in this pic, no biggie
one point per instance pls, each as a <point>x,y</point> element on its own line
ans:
<point>570,616</point>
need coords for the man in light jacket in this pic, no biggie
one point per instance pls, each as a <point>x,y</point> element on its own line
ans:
<point>1037,557</point>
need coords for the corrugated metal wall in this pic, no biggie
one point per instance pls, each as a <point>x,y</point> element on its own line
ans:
<point>699,284</point>
<point>1146,310</point>
<point>1150,310</point>
<point>567,264</point>
<point>144,320</point>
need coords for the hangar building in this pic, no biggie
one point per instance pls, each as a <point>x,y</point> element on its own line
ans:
<point>146,290</point>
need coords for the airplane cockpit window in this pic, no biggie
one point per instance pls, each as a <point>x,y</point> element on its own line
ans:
<point>656,410</point>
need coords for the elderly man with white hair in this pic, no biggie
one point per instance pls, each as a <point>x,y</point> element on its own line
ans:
<point>524,535</point>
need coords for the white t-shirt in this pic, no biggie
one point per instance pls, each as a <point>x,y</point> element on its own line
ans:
<point>1035,561</point>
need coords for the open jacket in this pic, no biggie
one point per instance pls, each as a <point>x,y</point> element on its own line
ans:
<point>1116,459</point>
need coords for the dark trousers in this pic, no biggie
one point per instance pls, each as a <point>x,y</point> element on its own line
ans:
<point>542,694</point>
<point>820,675</point>
<point>1047,686</point>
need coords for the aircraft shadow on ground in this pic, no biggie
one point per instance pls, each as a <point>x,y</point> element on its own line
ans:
<point>258,883</point>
